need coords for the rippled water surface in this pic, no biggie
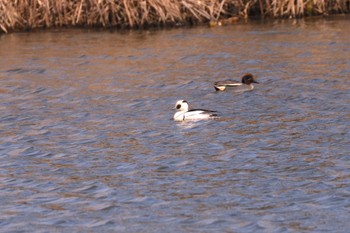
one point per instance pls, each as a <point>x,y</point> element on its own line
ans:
<point>88,144</point>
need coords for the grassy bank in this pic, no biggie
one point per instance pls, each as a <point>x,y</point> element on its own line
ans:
<point>30,14</point>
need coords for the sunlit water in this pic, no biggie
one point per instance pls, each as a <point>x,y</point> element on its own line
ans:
<point>88,144</point>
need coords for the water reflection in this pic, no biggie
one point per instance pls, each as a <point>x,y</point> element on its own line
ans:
<point>88,142</point>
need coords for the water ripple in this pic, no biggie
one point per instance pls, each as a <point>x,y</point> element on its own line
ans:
<point>96,149</point>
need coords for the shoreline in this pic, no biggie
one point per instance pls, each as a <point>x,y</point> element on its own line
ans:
<point>16,16</point>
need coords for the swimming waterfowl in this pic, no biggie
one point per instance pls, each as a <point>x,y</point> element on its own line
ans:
<point>244,85</point>
<point>183,113</point>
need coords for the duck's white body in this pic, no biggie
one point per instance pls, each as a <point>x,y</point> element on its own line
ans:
<point>183,113</point>
<point>234,85</point>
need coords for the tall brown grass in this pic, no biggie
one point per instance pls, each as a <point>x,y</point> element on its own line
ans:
<point>299,8</point>
<point>30,14</point>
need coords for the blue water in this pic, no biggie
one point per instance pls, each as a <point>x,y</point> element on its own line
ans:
<point>88,144</point>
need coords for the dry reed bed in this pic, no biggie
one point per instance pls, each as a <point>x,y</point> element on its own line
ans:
<point>30,14</point>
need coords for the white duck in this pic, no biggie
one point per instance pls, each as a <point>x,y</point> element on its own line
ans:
<point>183,113</point>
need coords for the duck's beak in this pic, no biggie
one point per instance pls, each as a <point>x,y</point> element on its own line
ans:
<point>255,81</point>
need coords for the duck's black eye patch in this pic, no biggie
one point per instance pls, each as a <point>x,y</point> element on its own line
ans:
<point>178,106</point>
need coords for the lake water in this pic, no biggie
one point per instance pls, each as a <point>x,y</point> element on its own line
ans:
<point>88,144</point>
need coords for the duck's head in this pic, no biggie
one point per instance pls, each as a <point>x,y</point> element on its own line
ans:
<point>248,79</point>
<point>181,105</point>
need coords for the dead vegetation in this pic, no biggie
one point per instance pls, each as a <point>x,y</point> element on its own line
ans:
<point>31,14</point>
